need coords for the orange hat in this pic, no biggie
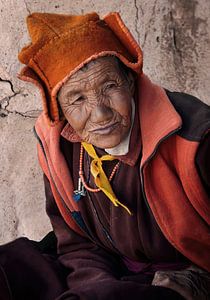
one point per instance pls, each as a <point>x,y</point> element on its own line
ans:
<point>62,44</point>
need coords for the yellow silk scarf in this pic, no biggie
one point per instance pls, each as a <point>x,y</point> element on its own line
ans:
<point>99,175</point>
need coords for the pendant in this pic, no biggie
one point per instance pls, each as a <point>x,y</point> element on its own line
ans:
<point>80,192</point>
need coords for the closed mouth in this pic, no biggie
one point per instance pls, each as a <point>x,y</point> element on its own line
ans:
<point>105,129</point>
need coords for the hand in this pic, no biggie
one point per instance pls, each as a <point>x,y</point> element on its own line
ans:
<point>192,283</point>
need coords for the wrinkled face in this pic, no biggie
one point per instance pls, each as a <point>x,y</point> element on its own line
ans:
<point>96,101</point>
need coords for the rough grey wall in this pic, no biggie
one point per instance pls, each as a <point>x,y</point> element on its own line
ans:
<point>175,37</point>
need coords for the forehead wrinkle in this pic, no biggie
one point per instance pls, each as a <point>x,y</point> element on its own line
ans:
<point>98,76</point>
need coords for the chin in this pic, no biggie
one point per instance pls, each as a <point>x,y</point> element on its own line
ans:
<point>106,143</point>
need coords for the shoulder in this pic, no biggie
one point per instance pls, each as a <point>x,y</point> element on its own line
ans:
<point>46,131</point>
<point>195,115</point>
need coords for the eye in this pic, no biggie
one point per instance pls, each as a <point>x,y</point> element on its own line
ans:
<point>110,85</point>
<point>78,100</point>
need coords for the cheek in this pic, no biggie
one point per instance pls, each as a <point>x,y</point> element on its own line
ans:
<point>122,104</point>
<point>77,118</point>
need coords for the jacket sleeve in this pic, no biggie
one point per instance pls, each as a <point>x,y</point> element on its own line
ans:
<point>203,162</point>
<point>92,272</point>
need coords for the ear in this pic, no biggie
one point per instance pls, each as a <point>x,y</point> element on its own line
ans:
<point>131,82</point>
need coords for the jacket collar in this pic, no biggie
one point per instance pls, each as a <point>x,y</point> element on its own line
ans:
<point>158,118</point>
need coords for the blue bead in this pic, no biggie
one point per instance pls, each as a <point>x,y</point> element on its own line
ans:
<point>76,197</point>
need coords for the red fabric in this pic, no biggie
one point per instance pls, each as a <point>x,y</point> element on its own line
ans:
<point>56,166</point>
<point>184,215</point>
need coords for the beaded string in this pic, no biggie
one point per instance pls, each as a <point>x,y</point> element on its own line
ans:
<point>81,173</point>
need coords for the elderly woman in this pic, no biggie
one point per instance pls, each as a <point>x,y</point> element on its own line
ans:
<point>125,165</point>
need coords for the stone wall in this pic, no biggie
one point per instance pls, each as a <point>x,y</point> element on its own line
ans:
<point>175,37</point>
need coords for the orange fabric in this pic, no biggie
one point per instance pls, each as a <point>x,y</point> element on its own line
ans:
<point>177,199</point>
<point>64,212</point>
<point>176,205</point>
<point>55,168</point>
<point>171,182</point>
<point>155,111</point>
<point>62,44</point>
<point>56,161</point>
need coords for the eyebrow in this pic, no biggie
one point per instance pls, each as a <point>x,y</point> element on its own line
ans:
<point>73,92</point>
<point>76,90</point>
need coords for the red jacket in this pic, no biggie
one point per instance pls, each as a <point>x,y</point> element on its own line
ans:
<point>173,128</point>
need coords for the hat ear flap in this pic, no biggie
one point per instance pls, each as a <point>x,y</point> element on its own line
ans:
<point>114,21</point>
<point>27,74</point>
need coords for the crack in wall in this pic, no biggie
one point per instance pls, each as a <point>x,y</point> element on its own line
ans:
<point>10,83</point>
<point>182,32</point>
<point>150,23</point>
<point>27,8</point>
<point>4,103</point>
<point>175,44</point>
<point>137,20</point>
<point>31,114</point>
<point>172,36</point>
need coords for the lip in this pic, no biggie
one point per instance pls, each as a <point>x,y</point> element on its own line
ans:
<point>105,130</point>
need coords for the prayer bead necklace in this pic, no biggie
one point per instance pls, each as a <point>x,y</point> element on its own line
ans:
<point>81,173</point>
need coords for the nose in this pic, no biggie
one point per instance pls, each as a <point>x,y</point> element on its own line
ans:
<point>101,114</point>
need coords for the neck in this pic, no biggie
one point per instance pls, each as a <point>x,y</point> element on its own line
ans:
<point>123,147</point>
